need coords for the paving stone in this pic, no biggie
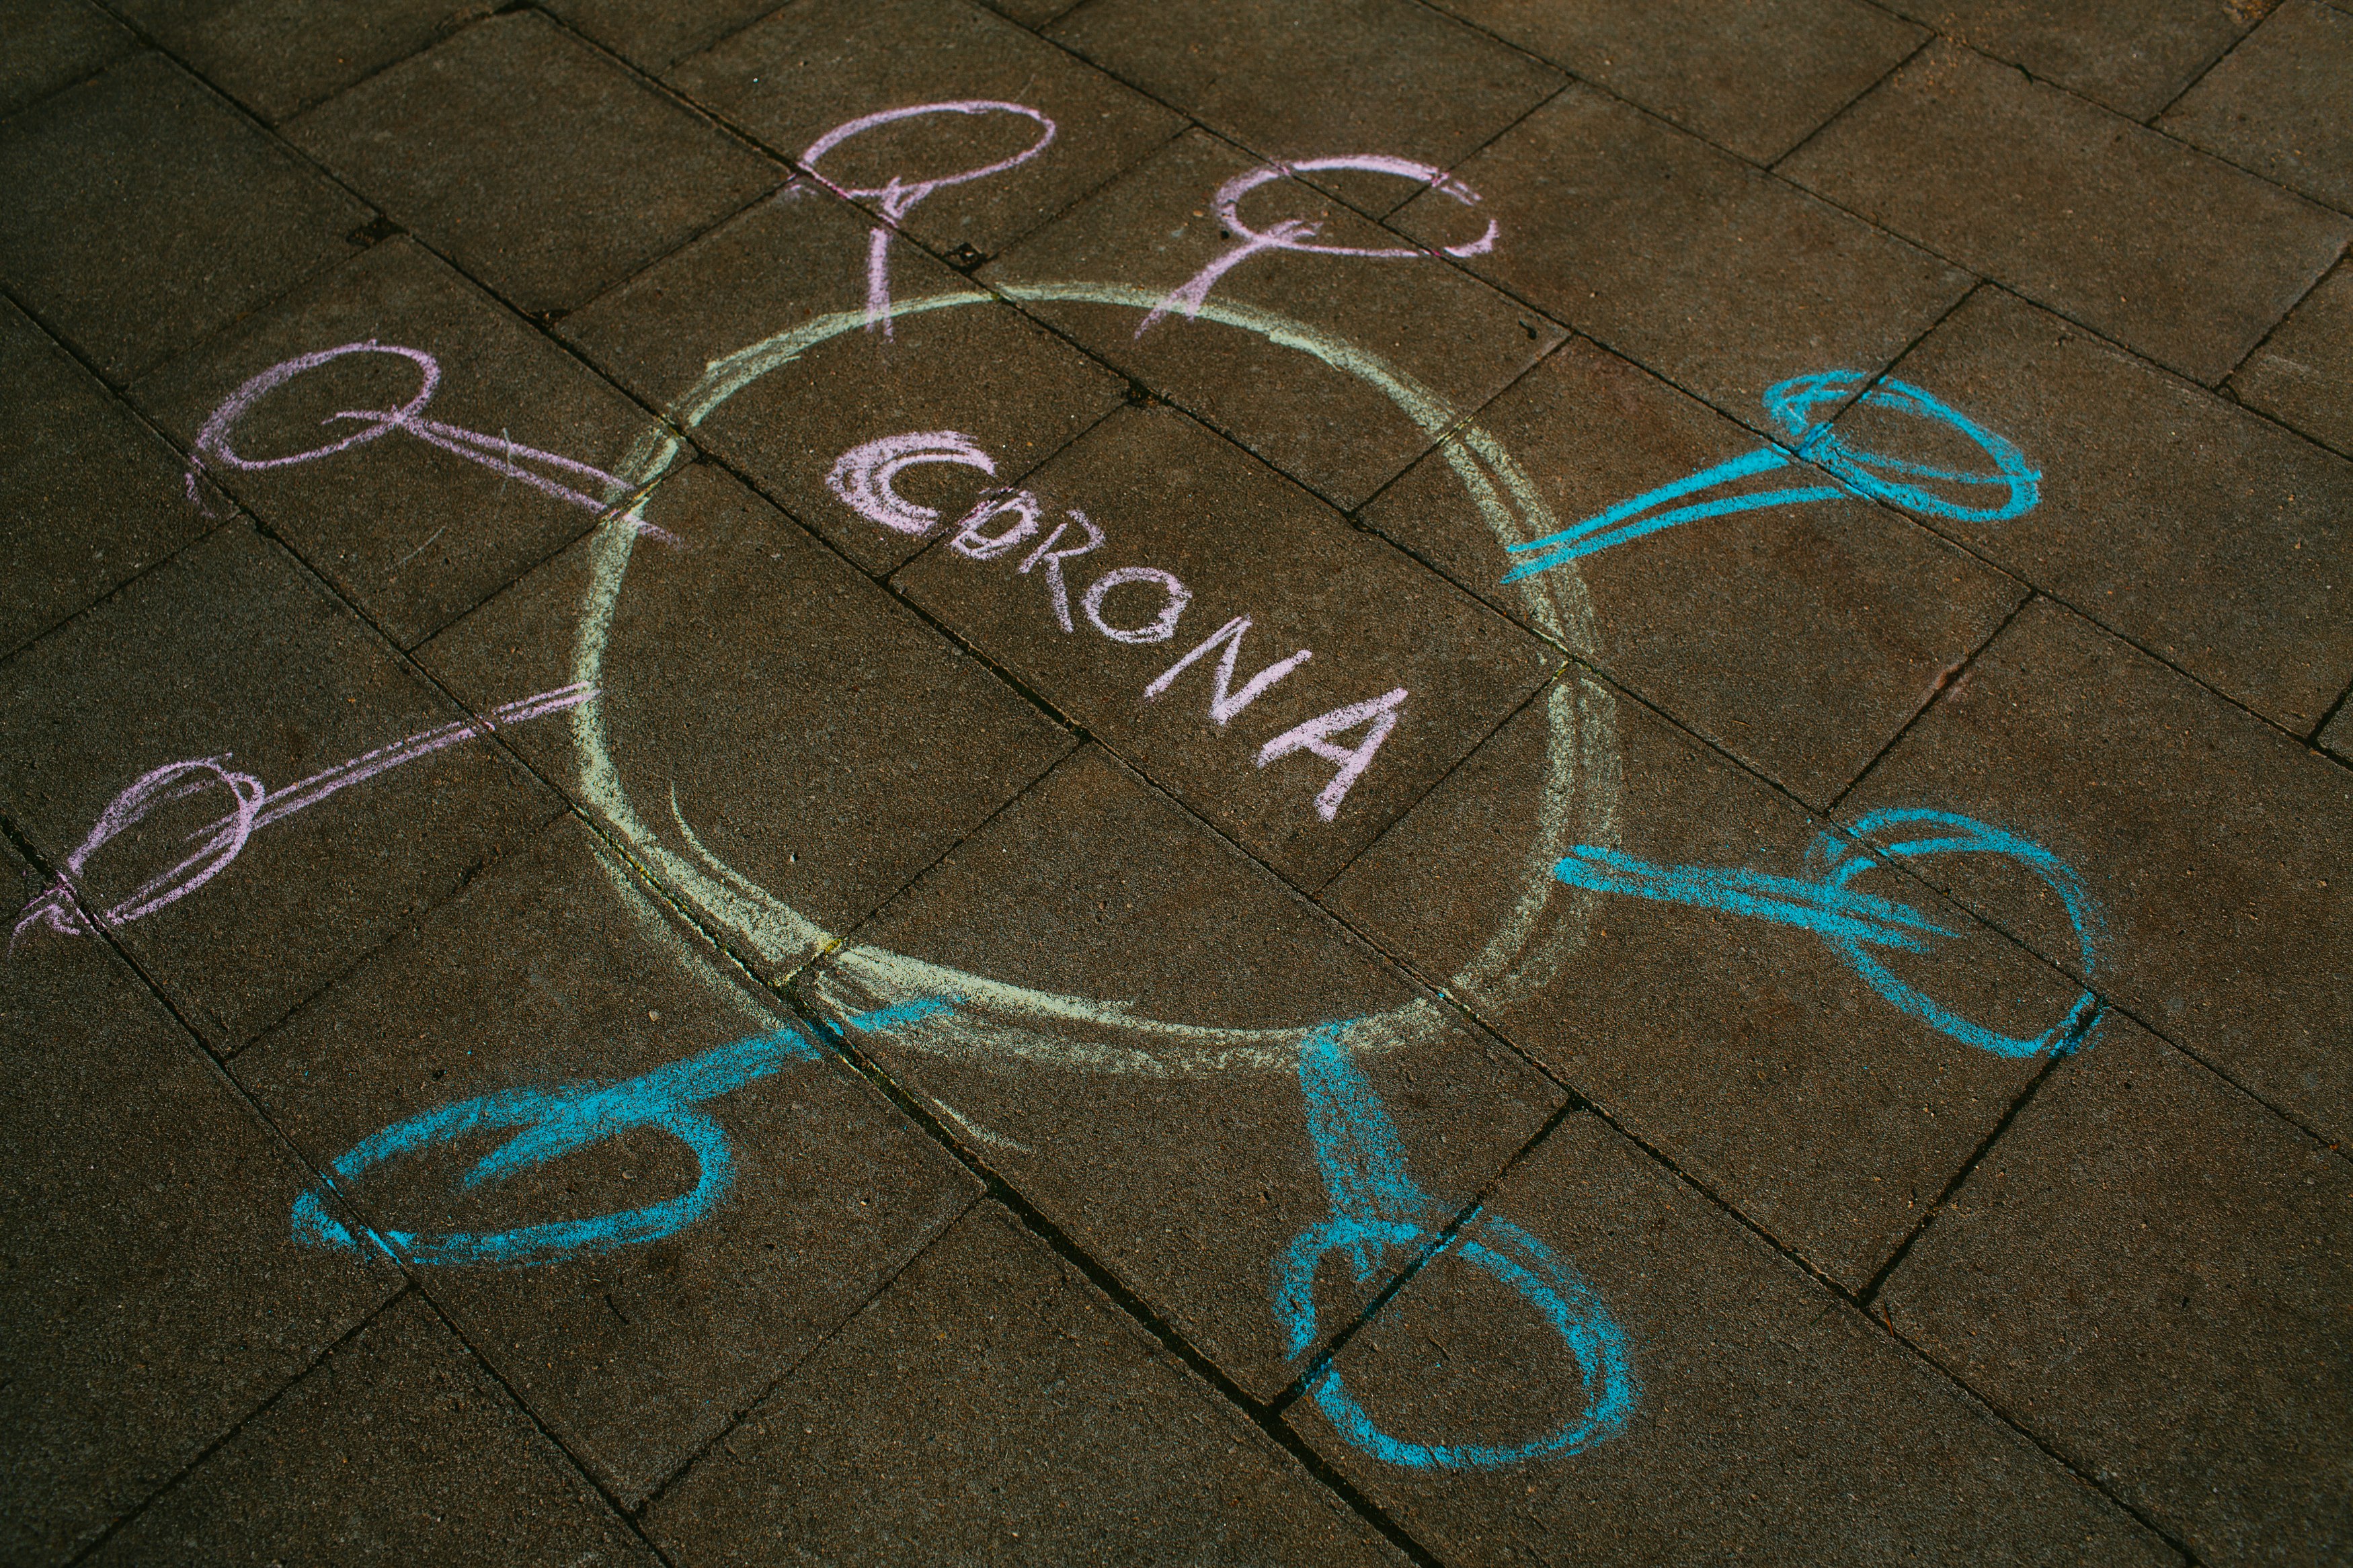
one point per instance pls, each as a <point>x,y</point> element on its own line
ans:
<point>764,704</point>
<point>1163,1127</point>
<point>1751,1053</point>
<point>980,368</point>
<point>145,215</point>
<point>2134,59</point>
<point>2118,227</point>
<point>91,498</point>
<point>154,1295</point>
<point>532,161</point>
<point>2218,848</point>
<point>2276,103</point>
<point>1172,499</point>
<point>2211,537</point>
<point>1772,1419</point>
<point>1757,79</point>
<point>53,43</point>
<point>279,57</point>
<point>2149,1272</point>
<point>1320,78</point>
<point>1800,638</point>
<point>655,38</point>
<point>411,532</point>
<point>557,969</point>
<point>815,66</point>
<point>1723,279</point>
<point>2303,372</point>
<point>229,658</point>
<point>398,1449</point>
<point>2338,736</point>
<point>992,1407</point>
<point>1344,437</point>
<point>1034,14</point>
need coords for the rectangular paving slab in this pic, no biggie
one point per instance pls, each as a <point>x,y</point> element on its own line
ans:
<point>1327,365</point>
<point>90,496</point>
<point>2134,59</point>
<point>1182,1063</point>
<point>1720,1019</point>
<point>426,1458</point>
<point>1319,78</point>
<point>415,522</point>
<point>279,57</point>
<point>1721,279</point>
<point>2215,847</point>
<point>655,38</point>
<point>2210,537</point>
<point>1800,634</point>
<point>718,1228</point>
<point>2275,104</point>
<point>156,1295</point>
<point>755,338</point>
<point>2174,254</point>
<point>1764,1416</point>
<point>2300,373</point>
<point>2150,1273</point>
<point>1755,78</point>
<point>534,160</point>
<point>145,215</point>
<point>244,780</point>
<point>821,67</point>
<point>1301,759</point>
<point>991,1406</point>
<point>777,739</point>
<point>53,43</point>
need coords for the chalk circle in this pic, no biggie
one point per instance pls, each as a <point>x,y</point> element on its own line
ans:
<point>1915,833</point>
<point>1873,474</point>
<point>212,441</point>
<point>899,198</point>
<point>1000,1023</point>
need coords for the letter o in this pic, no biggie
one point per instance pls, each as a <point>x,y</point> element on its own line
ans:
<point>1162,626</point>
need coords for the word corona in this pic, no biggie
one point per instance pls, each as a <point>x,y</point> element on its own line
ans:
<point>1006,520</point>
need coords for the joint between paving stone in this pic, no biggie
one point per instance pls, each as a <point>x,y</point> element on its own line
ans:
<point>1262,1415</point>
<point>222,1440</point>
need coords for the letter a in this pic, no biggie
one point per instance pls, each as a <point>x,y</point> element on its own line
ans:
<point>1316,735</point>
<point>1224,701</point>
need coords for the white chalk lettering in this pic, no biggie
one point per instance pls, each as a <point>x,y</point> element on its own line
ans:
<point>1380,714</point>
<point>1224,700</point>
<point>1162,627</point>
<point>971,539</point>
<point>1053,559</point>
<point>862,476</point>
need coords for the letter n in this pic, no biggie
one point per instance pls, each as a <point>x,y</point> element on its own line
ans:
<point>1224,701</point>
<point>1379,714</point>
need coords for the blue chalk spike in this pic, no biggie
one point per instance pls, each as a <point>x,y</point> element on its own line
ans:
<point>1856,472</point>
<point>1854,923</point>
<point>1825,909</point>
<point>1759,461</point>
<point>552,1123</point>
<point>1376,1206</point>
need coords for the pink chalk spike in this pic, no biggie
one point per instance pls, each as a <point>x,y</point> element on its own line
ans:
<point>501,454</point>
<point>1294,235</point>
<point>878,281</point>
<point>224,840</point>
<point>896,198</point>
<point>899,198</point>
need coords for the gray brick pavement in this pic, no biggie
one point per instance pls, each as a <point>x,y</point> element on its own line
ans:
<point>1459,783</point>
